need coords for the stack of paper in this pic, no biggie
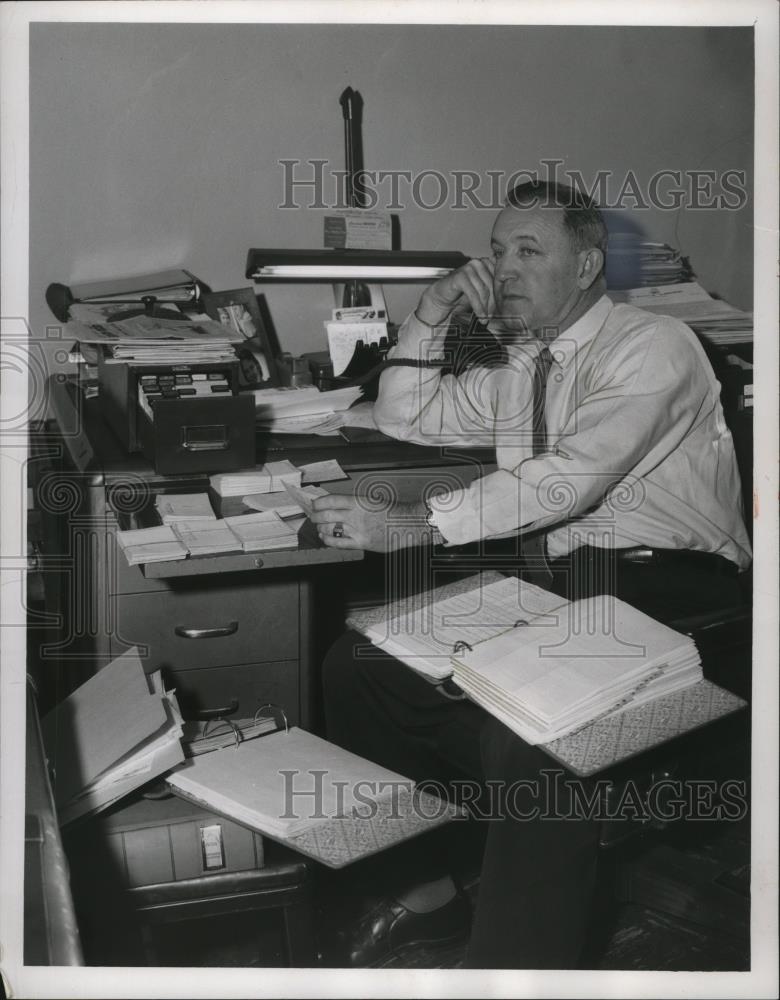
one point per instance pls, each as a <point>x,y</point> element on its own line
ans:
<point>307,407</point>
<point>303,496</point>
<point>540,664</point>
<point>202,538</point>
<point>146,545</point>
<point>717,320</point>
<point>215,734</point>
<point>269,478</point>
<point>284,503</point>
<point>634,262</point>
<point>173,507</point>
<point>603,655</point>
<point>263,531</point>
<point>116,732</point>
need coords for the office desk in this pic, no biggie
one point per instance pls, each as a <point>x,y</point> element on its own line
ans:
<point>230,632</point>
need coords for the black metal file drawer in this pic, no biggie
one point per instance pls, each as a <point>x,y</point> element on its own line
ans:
<point>205,626</point>
<point>237,690</point>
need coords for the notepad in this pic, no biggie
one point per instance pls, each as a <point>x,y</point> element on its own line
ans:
<point>147,545</point>
<point>173,507</point>
<point>280,502</point>
<point>310,794</point>
<point>206,537</point>
<point>269,478</point>
<point>303,496</point>
<point>263,531</point>
<point>322,472</point>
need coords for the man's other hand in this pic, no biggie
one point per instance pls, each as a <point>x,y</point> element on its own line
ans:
<point>343,522</point>
<point>472,283</point>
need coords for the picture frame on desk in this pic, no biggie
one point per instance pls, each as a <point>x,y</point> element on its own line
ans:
<point>237,309</point>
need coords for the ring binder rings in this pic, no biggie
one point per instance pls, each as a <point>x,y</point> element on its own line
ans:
<point>279,709</point>
<point>201,737</point>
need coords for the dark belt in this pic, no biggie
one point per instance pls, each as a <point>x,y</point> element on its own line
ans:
<point>708,562</point>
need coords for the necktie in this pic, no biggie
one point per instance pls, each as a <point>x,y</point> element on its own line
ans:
<point>533,548</point>
<point>542,363</point>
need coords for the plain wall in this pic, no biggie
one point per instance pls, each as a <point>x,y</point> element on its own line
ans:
<point>155,146</point>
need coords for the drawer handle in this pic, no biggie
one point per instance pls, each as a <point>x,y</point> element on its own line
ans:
<point>206,633</point>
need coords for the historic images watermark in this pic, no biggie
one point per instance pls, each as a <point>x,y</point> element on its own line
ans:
<point>550,797</point>
<point>315,183</point>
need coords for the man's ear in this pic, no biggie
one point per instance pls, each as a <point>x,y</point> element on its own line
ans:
<point>591,265</point>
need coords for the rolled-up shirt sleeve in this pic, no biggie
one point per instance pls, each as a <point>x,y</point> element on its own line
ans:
<point>632,417</point>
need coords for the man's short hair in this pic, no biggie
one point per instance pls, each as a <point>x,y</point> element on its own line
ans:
<point>581,215</point>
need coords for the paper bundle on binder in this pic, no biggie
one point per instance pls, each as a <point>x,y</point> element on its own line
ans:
<point>540,664</point>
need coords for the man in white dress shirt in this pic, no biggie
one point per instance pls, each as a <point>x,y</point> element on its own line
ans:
<point>614,461</point>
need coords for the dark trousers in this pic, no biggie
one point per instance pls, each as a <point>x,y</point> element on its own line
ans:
<point>538,871</point>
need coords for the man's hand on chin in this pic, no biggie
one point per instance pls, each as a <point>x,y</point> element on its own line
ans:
<point>472,283</point>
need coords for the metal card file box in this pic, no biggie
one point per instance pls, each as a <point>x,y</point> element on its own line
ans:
<point>155,409</point>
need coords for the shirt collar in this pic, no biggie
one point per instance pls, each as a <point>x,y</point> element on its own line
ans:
<point>574,338</point>
<point>580,334</point>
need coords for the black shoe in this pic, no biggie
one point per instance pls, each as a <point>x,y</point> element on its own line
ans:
<point>389,930</point>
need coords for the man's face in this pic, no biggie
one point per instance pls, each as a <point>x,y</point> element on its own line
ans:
<point>536,269</point>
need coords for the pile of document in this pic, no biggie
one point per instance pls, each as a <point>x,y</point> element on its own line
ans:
<point>113,734</point>
<point>633,262</point>
<point>542,665</point>
<point>269,478</point>
<point>298,411</point>
<point>260,532</point>
<point>275,477</point>
<point>173,507</point>
<point>291,502</point>
<point>718,321</point>
<point>189,340</point>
